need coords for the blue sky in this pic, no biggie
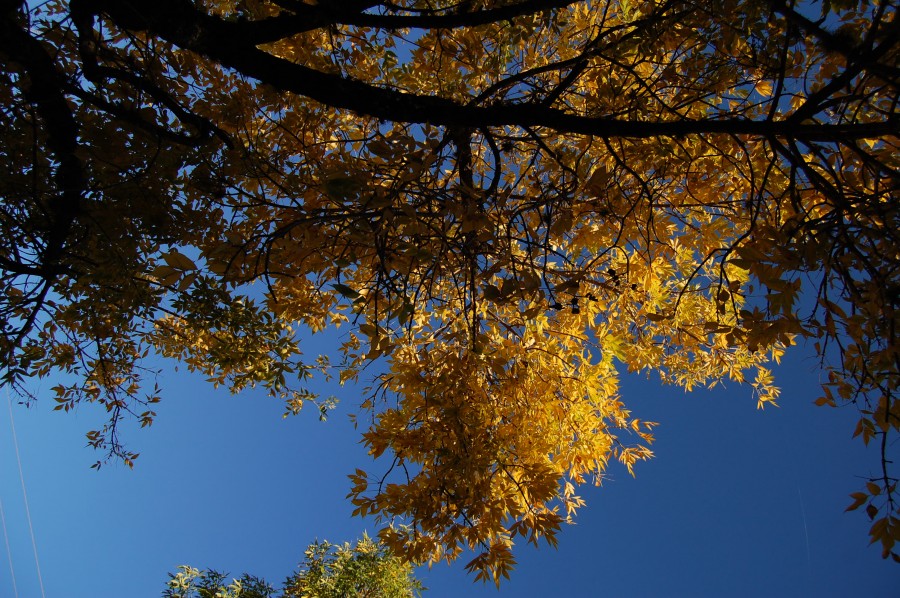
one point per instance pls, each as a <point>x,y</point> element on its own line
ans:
<point>737,502</point>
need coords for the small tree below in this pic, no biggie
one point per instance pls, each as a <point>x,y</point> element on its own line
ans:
<point>366,570</point>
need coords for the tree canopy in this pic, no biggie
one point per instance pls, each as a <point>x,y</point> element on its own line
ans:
<point>504,202</point>
<point>364,570</point>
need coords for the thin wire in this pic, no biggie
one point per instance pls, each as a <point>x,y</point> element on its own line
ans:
<point>805,531</point>
<point>12,571</point>
<point>37,563</point>
<point>789,450</point>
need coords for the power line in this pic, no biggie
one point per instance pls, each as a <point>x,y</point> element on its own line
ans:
<point>12,571</point>
<point>37,563</point>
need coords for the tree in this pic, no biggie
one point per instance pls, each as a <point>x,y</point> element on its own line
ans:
<point>505,200</point>
<point>366,570</point>
<point>194,583</point>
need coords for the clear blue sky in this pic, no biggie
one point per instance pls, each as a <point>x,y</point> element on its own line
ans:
<point>737,502</point>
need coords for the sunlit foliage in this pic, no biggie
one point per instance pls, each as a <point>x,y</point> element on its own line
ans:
<point>364,570</point>
<point>504,203</point>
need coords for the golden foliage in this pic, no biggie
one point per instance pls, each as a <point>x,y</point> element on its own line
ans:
<point>506,203</point>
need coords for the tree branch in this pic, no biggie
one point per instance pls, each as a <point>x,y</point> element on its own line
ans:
<point>180,23</point>
<point>45,91</point>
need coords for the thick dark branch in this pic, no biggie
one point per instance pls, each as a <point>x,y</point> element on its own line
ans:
<point>178,22</point>
<point>452,21</point>
<point>44,88</point>
<point>9,7</point>
<point>306,17</point>
<point>22,269</point>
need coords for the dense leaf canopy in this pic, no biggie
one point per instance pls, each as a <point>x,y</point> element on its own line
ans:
<point>504,202</point>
